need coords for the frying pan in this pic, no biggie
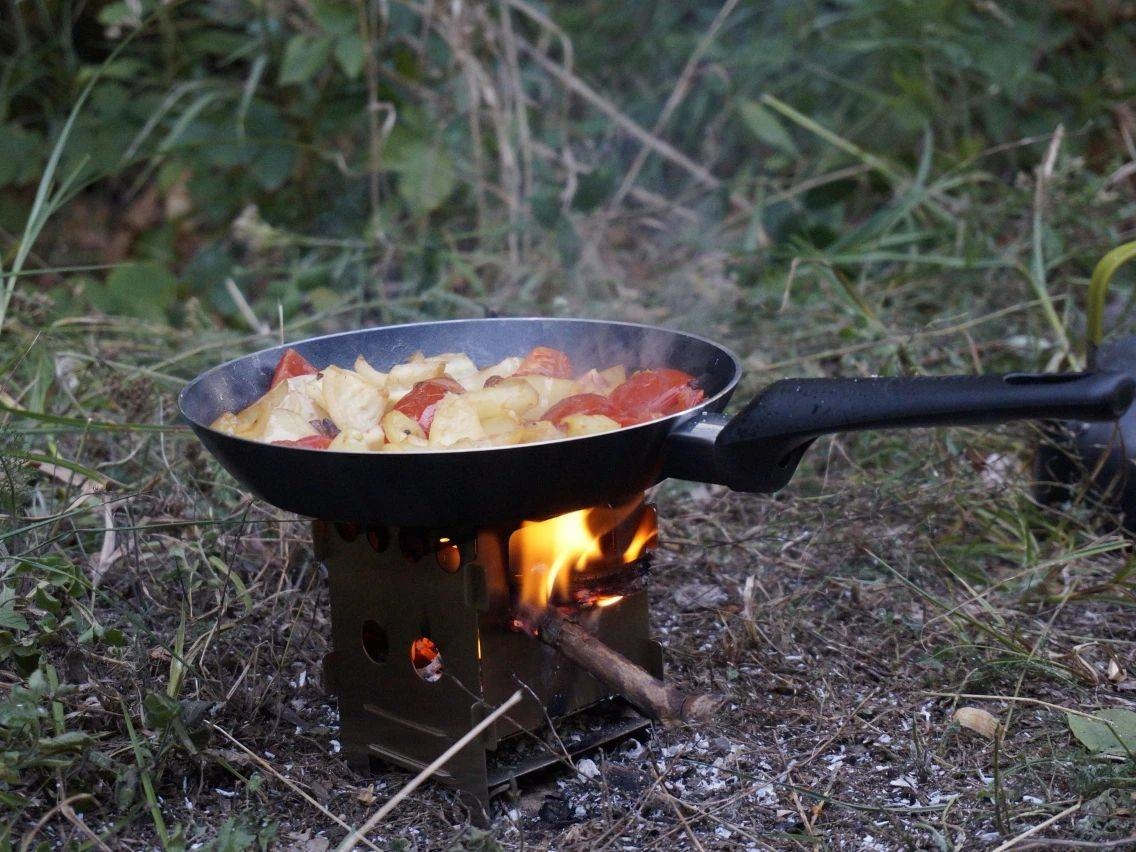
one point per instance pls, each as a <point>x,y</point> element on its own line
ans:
<point>755,451</point>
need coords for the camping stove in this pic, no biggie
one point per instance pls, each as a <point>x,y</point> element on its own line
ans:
<point>429,635</point>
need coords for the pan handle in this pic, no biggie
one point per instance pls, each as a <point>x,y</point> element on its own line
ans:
<point>759,449</point>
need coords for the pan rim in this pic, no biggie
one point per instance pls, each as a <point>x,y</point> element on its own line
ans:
<point>726,389</point>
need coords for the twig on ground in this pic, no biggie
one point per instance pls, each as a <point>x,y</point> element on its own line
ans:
<point>1030,832</point>
<point>287,782</point>
<point>26,843</point>
<point>675,805</point>
<point>425,774</point>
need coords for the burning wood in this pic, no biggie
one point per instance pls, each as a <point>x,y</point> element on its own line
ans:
<point>649,694</point>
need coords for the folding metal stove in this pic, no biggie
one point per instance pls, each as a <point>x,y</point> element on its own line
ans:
<point>426,642</point>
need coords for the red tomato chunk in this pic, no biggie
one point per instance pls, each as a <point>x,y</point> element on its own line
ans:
<point>291,364</point>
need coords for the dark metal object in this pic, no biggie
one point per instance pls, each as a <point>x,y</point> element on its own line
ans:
<point>756,451</point>
<point>390,587</point>
<point>1097,460</point>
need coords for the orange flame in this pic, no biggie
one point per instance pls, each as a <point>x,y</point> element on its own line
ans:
<point>547,552</point>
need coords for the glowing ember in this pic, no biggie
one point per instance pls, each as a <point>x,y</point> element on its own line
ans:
<point>426,659</point>
<point>547,553</point>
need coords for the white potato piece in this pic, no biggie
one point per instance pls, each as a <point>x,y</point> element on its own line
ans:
<point>283,425</point>
<point>455,421</point>
<point>409,374</point>
<point>503,369</point>
<point>613,377</point>
<point>513,396</point>
<point>369,374</point>
<point>400,428</point>
<point>498,428</point>
<point>351,402</point>
<point>593,382</point>
<point>576,425</point>
<point>551,391</point>
<point>249,422</point>
<point>540,430</point>
<point>410,445</point>
<point>356,441</point>
<point>456,365</point>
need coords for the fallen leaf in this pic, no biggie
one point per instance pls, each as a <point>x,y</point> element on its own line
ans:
<point>366,795</point>
<point>1115,673</point>
<point>978,720</point>
<point>1111,731</point>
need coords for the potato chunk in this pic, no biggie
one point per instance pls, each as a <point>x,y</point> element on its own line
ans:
<point>455,421</point>
<point>369,374</point>
<point>550,391</point>
<point>355,441</point>
<point>576,425</point>
<point>502,370</point>
<point>514,396</point>
<point>351,402</point>
<point>401,429</point>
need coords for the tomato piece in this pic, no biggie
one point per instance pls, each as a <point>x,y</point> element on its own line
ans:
<point>290,365</point>
<point>655,393</point>
<point>581,403</point>
<point>543,361</point>
<point>308,442</point>
<point>422,399</point>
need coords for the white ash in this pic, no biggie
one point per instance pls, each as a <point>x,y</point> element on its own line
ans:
<point>587,768</point>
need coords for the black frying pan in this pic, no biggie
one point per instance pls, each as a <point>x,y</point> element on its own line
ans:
<point>756,451</point>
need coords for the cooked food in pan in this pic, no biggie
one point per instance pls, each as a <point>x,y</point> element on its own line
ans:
<point>444,402</point>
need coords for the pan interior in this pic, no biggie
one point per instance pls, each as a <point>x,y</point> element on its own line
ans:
<point>232,386</point>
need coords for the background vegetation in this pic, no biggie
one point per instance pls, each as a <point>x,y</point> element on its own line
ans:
<point>835,186</point>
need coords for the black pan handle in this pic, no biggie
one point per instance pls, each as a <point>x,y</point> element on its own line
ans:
<point>759,449</point>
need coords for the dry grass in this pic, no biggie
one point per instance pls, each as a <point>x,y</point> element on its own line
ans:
<point>898,579</point>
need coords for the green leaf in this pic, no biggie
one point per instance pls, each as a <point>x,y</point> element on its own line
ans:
<point>68,741</point>
<point>304,56</point>
<point>766,127</point>
<point>271,165</point>
<point>160,709</point>
<point>144,290</point>
<point>117,14</point>
<point>350,53</point>
<point>1111,731</point>
<point>335,16</point>
<point>9,618</point>
<point>426,178</point>
<point>21,155</point>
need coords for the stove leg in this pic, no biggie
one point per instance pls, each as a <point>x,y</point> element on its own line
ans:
<point>477,803</point>
<point>359,761</point>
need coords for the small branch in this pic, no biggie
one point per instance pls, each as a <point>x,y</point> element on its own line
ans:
<point>360,833</point>
<point>1041,826</point>
<point>655,698</point>
<point>661,147</point>
<point>283,779</point>
<point>682,87</point>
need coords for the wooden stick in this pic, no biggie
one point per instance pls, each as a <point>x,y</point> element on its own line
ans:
<point>358,834</point>
<point>668,704</point>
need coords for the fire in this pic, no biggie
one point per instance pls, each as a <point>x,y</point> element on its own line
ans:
<point>548,553</point>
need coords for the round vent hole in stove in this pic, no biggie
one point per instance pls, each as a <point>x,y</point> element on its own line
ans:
<point>426,659</point>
